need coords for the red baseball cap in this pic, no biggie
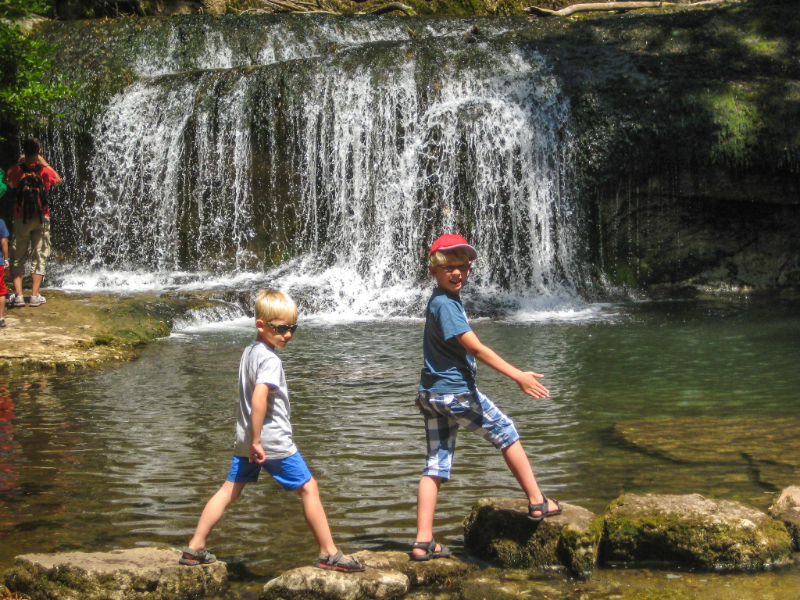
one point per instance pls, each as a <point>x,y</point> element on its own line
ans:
<point>451,241</point>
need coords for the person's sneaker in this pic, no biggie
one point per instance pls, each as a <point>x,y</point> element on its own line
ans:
<point>10,300</point>
<point>2,322</point>
<point>36,301</point>
<point>19,302</point>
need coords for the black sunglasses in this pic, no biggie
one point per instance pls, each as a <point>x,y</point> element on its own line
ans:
<point>283,329</point>
<point>451,268</point>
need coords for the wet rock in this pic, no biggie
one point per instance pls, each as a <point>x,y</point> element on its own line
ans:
<point>691,530</point>
<point>135,574</point>
<point>311,583</point>
<point>499,530</point>
<point>214,7</point>
<point>787,510</point>
<point>419,573</point>
<point>771,447</point>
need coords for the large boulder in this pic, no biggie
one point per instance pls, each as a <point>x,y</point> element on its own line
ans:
<point>135,574</point>
<point>691,530</point>
<point>499,530</point>
<point>787,510</point>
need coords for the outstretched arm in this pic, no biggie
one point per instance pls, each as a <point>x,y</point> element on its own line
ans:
<point>258,410</point>
<point>526,380</point>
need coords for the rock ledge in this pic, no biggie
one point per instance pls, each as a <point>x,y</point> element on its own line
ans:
<point>135,574</point>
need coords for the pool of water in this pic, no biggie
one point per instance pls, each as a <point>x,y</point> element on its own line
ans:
<point>128,455</point>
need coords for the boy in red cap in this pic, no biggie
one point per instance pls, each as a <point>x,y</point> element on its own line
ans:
<point>448,397</point>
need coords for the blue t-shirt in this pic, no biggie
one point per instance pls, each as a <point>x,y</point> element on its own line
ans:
<point>3,230</point>
<point>449,368</point>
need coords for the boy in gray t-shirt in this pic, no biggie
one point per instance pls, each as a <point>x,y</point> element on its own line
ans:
<point>264,437</point>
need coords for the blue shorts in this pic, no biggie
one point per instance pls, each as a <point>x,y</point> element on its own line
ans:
<point>291,472</point>
<point>444,413</point>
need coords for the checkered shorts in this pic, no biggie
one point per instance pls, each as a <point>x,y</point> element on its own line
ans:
<point>445,412</point>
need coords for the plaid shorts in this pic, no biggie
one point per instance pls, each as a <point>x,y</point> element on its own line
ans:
<point>445,412</point>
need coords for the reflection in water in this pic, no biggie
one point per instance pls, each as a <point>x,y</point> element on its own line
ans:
<point>128,456</point>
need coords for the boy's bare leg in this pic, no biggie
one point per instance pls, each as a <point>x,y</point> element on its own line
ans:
<point>212,513</point>
<point>2,306</point>
<point>315,516</point>
<point>427,496</point>
<point>520,466</point>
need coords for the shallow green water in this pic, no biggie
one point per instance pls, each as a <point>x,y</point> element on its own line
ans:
<point>128,456</point>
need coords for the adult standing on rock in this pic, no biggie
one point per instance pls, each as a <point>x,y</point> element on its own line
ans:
<point>31,179</point>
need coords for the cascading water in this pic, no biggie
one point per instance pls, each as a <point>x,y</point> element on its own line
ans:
<point>327,168</point>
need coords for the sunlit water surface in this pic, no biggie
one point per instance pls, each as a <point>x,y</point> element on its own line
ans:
<point>128,455</point>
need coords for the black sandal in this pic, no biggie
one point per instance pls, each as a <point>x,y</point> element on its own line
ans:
<point>544,509</point>
<point>430,551</point>
<point>338,562</point>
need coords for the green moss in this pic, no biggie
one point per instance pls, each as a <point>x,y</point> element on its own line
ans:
<point>670,538</point>
<point>58,583</point>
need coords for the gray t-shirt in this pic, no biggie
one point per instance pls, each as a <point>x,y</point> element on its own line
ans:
<point>260,364</point>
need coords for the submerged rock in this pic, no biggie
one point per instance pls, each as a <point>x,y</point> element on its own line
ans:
<point>135,574</point>
<point>771,446</point>
<point>787,509</point>
<point>691,530</point>
<point>499,530</point>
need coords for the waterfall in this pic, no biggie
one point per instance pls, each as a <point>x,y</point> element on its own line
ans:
<point>327,168</point>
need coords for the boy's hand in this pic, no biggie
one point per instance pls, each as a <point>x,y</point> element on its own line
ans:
<point>257,453</point>
<point>528,383</point>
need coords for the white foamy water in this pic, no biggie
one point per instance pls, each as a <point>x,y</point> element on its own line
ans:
<point>341,173</point>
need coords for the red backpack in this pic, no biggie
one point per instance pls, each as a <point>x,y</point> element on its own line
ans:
<point>31,192</point>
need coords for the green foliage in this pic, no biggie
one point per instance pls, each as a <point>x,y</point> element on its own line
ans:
<point>26,91</point>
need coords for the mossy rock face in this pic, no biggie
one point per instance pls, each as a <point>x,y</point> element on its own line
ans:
<point>135,574</point>
<point>311,583</point>
<point>499,530</point>
<point>691,530</point>
<point>787,510</point>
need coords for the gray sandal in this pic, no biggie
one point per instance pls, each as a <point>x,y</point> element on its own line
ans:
<point>338,562</point>
<point>430,551</point>
<point>193,558</point>
<point>544,509</point>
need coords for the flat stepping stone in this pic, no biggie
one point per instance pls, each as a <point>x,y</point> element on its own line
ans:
<point>388,575</point>
<point>693,531</point>
<point>787,510</point>
<point>499,530</point>
<point>419,573</point>
<point>312,583</point>
<point>134,574</point>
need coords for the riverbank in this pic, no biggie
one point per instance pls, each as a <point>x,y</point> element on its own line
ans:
<point>72,332</point>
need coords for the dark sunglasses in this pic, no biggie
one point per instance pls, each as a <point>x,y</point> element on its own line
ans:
<point>451,268</point>
<point>283,329</point>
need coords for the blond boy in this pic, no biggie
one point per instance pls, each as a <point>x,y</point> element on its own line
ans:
<point>264,437</point>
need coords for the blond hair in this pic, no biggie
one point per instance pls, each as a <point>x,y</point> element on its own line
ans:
<point>440,257</point>
<point>274,304</point>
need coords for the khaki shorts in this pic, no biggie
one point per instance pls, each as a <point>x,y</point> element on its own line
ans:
<point>30,240</point>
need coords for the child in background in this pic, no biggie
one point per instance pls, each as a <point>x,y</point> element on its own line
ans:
<point>448,396</point>
<point>264,437</point>
<point>3,266</point>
